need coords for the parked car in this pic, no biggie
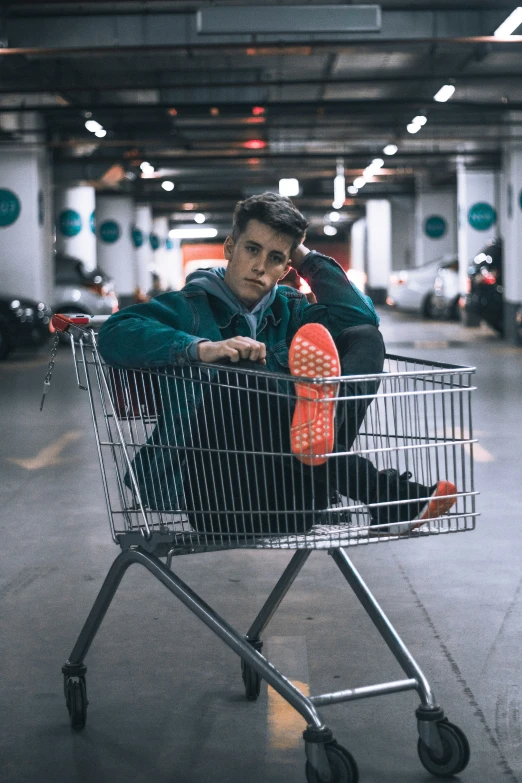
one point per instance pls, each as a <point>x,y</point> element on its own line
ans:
<point>431,289</point>
<point>23,322</point>
<point>484,300</point>
<point>78,290</point>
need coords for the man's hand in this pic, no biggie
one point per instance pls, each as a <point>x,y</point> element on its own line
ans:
<point>233,349</point>
<point>297,257</point>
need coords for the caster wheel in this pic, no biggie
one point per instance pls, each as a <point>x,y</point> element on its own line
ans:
<point>252,681</point>
<point>456,752</point>
<point>342,765</point>
<point>76,700</point>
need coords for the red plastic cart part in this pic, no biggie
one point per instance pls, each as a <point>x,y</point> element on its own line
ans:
<point>62,323</point>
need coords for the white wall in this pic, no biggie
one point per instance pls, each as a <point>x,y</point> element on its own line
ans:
<point>79,199</point>
<point>116,258</point>
<point>378,222</point>
<point>403,232</point>
<point>474,188</point>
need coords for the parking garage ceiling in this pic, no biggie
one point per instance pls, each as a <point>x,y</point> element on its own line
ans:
<point>224,113</point>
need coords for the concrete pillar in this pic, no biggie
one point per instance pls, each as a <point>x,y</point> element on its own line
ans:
<point>511,224</point>
<point>357,271</point>
<point>160,228</point>
<point>75,223</point>
<point>435,224</point>
<point>26,216</point>
<point>144,255</point>
<point>477,207</point>
<point>378,221</point>
<point>403,232</point>
<point>115,250</point>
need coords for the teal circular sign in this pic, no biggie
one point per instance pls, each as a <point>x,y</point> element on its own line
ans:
<point>169,244</point>
<point>110,231</point>
<point>481,216</point>
<point>92,221</point>
<point>9,207</point>
<point>70,222</point>
<point>435,226</point>
<point>137,236</point>
<point>154,241</point>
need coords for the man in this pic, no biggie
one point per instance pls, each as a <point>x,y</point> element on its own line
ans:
<point>222,452</point>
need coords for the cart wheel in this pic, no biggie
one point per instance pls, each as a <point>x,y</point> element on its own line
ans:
<point>342,765</point>
<point>76,700</point>
<point>252,681</point>
<point>456,752</point>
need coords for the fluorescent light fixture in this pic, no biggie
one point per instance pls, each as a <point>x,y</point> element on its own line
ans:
<point>390,149</point>
<point>420,119</point>
<point>167,185</point>
<point>199,217</point>
<point>509,26</point>
<point>445,93</point>
<point>100,133</point>
<point>339,189</point>
<point>359,182</point>
<point>93,126</point>
<point>146,166</point>
<point>352,190</point>
<point>377,163</point>
<point>413,128</point>
<point>334,217</point>
<point>289,187</point>
<point>338,204</point>
<point>192,233</point>
<point>330,231</point>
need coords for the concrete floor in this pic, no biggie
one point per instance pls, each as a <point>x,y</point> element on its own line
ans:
<point>166,698</point>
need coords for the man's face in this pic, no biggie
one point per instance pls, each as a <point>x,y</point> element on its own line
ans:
<point>256,261</point>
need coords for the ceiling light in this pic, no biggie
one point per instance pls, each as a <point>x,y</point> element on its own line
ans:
<point>339,188</point>
<point>420,119</point>
<point>257,110</point>
<point>100,133</point>
<point>338,204</point>
<point>146,166</point>
<point>390,149</point>
<point>352,190</point>
<point>93,126</point>
<point>334,217</point>
<point>192,233</point>
<point>330,231</point>
<point>254,144</point>
<point>199,217</point>
<point>289,187</point>
<point>377,163</point>
<point>359,182</point>
<point>508,27</point>
<point>214,111</point>
<point>413,128</point>
<point>167,185</point>
<point>445,93</point>
<point>173,112</point>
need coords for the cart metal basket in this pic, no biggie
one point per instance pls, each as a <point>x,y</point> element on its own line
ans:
<point>197,458</point>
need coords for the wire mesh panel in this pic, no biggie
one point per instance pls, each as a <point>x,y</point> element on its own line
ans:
<point>201,456</point>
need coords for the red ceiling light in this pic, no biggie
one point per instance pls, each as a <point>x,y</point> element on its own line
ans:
<point>173,112</point>
<point>254,161</point>
<point>254,144</point>
<point>251,50</point>
<point>255,120</point>
<point>214,111</point>
<point>257,110</point>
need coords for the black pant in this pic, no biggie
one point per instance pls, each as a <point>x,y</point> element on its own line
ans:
<point>240,476</point>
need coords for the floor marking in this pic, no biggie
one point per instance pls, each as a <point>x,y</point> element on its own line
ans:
<point>480,454</point>
<point>50,455</point>
<point>285,725</point>
<point>289,654</point>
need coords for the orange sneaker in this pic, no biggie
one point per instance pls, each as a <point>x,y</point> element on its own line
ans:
<point>313,354</point>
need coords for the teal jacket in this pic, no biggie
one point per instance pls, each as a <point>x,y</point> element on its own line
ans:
<point>159,333</point>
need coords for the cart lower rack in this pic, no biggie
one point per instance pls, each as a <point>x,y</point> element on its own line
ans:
<point>198,459</point>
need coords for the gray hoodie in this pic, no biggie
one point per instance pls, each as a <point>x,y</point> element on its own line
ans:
<point>213,282</point>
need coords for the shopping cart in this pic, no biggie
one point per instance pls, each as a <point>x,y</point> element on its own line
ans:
<point>196,459</point>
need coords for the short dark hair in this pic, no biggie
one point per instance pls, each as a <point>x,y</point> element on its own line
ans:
<point>273,210</point>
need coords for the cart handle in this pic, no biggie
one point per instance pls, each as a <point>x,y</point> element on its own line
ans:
<point>62,323</point>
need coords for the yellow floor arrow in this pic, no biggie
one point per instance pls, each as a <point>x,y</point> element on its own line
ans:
<point>50,455</point>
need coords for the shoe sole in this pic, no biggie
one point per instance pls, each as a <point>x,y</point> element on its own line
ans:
<point>438,505</point>
<point>313,354</point>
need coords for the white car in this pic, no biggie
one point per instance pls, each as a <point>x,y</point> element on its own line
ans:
<point>431,289</point>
